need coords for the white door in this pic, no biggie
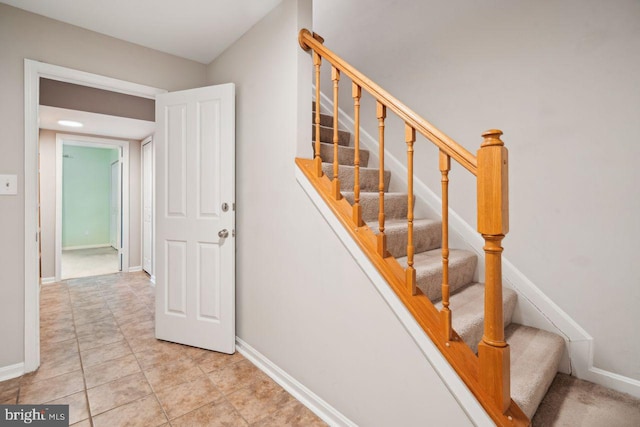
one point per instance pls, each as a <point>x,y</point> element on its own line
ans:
<point>115,210</point>
<point>113,206</point>
<point>195,218</point>
<point>147,207</point>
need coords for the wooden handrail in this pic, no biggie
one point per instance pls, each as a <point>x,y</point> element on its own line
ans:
<point>443,142</point>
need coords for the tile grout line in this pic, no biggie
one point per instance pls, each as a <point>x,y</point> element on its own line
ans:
<point>84,380</point>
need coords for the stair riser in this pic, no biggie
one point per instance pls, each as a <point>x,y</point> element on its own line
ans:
<point>326,135</point>
<point>345,155</point>
<point>368,177</point>
<point>535,357</point>
<point>462,266</point>
<point>395,205</point>
<point>424,239</point>
<point>325,120</point>
<point>467,307</point>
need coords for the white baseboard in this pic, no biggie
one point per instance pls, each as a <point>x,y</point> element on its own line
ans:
<point>534,307</point>
<point>11,371</point>
<point>73,248</point>
<point>135,269</point>
<point>322,409</point>
<point>47,280</point>
<point>434,357</point>
<point>153,279</point>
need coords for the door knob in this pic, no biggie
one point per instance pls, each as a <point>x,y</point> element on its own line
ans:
<point>224,233</point>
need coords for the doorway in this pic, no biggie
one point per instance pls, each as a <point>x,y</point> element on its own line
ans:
<point>34,71</point>
<point>202,119</point>
<point>92,206</point>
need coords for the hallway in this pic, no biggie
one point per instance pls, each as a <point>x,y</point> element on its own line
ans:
<point>99,355</point>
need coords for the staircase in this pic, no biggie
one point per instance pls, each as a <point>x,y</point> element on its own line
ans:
<point>535,354</point>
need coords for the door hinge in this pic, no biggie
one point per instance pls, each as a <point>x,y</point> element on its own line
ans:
<point>233,206</point>
<point>233,233</point>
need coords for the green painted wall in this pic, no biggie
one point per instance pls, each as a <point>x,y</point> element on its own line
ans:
<point>86,176</point>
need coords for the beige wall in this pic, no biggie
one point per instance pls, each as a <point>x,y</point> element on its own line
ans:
<point>302,301</point>
<point>561,79</point>
<point>25,35</point>
<point>47,147</point>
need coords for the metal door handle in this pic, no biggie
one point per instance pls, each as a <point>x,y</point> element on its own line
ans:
<point>224,233</point>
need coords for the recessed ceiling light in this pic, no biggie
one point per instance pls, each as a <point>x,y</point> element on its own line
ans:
<point>70,123</point>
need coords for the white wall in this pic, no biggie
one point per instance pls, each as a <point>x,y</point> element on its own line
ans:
<point>561,80</point>
<point>301,299</point>
<point>25,35</point>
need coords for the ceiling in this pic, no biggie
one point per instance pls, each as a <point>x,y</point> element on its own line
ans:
<point>95,124</point>
<point>199,30</point>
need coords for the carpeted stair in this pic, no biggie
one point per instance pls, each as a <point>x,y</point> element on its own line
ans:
<point>535,354</point>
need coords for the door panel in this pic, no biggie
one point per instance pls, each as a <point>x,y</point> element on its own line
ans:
<point>195,167</point>
<point>113,205</point>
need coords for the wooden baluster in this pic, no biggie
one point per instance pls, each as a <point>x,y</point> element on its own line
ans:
<point>445,167</point>
<point>335,184</point>
<point>381,114</point>
<point>410,138</point>
<point>493,224</point>
<point>357,209</point>
<point>317,60</point>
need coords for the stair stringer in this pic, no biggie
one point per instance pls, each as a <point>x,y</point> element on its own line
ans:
<point>468,402</point>
<point>533,307</point>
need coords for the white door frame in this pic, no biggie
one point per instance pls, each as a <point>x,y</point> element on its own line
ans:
<point>148,140</point>
<point>89,141</point>
<point>33,71</point>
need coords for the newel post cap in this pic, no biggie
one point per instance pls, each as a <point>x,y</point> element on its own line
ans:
<point>492,137</point>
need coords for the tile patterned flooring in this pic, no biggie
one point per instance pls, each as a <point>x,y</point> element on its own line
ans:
<point>99,355</point>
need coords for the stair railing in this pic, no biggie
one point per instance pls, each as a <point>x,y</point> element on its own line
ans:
<point>488,374</point>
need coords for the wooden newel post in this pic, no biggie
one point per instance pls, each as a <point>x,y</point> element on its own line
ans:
<point>493,224</point>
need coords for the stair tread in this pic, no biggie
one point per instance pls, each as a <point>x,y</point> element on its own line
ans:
<point>427,235</point>
<point>401,223</point>
<point>395,204</point>
<point>325,119</point>
<point>535,357</point>
<point>428,266</point>
<point>375,194</point>
<point>346,154</point>
<point>467,307</point>
<point>331,128</point>
<point>362,168</point>
<point>326,135</point>
<point>369,177</point>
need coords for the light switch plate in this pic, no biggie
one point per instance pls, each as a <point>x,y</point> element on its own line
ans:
<point>8,185</point>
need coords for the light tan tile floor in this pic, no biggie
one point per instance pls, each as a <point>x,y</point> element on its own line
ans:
<point>99,355</point>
